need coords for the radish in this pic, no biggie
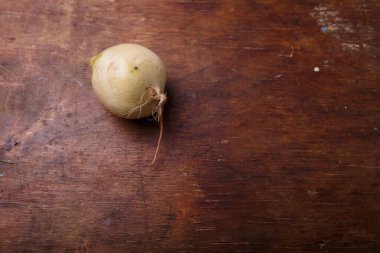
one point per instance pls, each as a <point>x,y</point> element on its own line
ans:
<point>129,81</point>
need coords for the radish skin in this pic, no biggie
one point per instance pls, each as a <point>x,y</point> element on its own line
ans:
<point>129,81</point>
<point>126,77</point>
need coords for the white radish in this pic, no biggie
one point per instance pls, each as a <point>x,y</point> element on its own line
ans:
<point>129,80</point>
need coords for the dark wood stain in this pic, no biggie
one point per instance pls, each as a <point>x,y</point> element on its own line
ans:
<point>272,128</point>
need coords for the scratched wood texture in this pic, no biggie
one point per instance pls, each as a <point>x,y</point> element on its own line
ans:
<point>272,128</point>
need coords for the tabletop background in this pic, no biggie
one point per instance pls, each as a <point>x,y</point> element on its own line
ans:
<point>271,140</point>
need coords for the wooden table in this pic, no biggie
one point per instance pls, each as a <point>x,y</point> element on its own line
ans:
<point>272,128</point>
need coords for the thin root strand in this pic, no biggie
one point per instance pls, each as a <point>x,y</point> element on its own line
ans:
<point>162,98</point>
<point>159,141</point>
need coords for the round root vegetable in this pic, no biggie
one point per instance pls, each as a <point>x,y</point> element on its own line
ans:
<point>129,80</point>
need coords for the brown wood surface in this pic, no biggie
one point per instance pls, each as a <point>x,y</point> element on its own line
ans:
<point>272,128</point>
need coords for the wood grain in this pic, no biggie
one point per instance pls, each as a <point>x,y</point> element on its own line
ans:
<point>272,128</point>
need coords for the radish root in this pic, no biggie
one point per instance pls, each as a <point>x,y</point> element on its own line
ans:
<point>157,95</point>
<point>157,113</point>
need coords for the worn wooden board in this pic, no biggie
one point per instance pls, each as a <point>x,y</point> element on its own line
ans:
<point>272,128</point>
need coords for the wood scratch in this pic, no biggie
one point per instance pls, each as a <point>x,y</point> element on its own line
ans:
<point>11,162</point>
<point>351,46</point>
<point>330,21</point>
<point>9,205</point>
<point>146,224</point>
<point>77,81</point>
<point>288,55</point>
<point>230,243</point>
<point>168,226</point>
<point>206,229</point>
